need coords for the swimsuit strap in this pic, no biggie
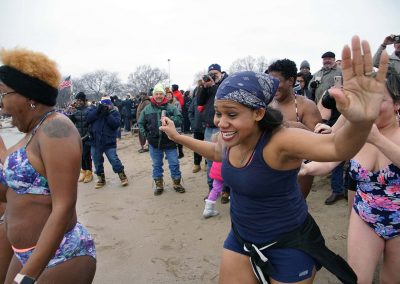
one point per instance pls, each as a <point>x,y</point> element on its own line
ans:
<point>297,112</point>
<point>38,125</point>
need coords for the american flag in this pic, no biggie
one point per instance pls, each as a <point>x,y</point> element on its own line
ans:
<point>66,83</point>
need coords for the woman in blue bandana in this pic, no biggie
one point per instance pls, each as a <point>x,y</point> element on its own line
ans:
<point>260,160</point>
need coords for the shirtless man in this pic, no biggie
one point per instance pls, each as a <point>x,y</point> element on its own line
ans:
<point>298,111</point>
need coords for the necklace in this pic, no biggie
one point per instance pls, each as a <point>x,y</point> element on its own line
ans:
<point>244,155</point>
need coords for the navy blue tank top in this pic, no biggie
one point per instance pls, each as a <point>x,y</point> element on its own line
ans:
<point>265,203</point>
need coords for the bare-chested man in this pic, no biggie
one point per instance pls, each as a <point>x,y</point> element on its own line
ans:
<point>298,111</point>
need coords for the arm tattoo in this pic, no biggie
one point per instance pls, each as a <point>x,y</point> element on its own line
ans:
<point>57,129</point>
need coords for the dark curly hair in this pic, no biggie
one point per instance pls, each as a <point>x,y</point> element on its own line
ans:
<point>286,67</point>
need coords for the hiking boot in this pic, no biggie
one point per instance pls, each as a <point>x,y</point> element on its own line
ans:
<point>123,178</point>
<point>88,176</point>
<point>209,209</point>
<point>225,197</point>
<point>159,186</point>
<point>101,181</point>
<point>81,176</point>
<point>196,169</point>
<point>177,185</point>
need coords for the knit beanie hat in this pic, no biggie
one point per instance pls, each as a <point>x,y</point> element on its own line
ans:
<point>106,100</point>
<point>80,96</point>
<point>305,64</point>
<point>158,89</point>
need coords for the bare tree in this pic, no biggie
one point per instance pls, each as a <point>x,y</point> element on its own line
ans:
<point>64,97</point>
<point>249,63</point>
<point>97,83</point>
<point>145,78</point>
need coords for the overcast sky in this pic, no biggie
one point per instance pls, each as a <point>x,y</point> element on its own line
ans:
<point>87,35</point>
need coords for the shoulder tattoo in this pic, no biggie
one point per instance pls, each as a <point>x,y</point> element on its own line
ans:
<point>57,129</point>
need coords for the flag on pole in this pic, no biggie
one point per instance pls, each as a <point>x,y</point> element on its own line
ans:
<point>66,83</point>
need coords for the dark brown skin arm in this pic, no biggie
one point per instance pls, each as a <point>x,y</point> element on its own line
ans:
<point>60,151</point>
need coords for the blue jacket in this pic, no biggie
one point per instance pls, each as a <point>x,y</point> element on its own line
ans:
<point>104,129</point>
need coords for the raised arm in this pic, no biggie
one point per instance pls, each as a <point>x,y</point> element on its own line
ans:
<point>209,150</point>
<point>389,148</point>
<point>359,103</point>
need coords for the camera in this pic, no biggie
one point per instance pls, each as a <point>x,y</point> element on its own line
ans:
<point>314,84</point>
<point>396,38</point>
<point>208,77</point>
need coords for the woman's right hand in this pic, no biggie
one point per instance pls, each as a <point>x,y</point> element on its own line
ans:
<point>362,94</point>
<point>168,127</point>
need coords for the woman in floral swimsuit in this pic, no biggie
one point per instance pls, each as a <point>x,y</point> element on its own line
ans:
<point>375,218</point>
<point>38,177</point>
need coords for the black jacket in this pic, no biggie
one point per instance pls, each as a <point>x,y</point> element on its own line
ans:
<point>80,121</point>
<point>194,116</point>
<point>206,98</point>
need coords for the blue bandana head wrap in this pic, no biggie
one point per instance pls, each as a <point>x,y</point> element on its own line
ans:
<point>254,90</point>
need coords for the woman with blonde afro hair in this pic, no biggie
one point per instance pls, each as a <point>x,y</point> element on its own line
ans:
<point>38,177</point>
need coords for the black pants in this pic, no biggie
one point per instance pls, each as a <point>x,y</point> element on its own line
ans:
<point>86,157</point>
<point>196,157</point>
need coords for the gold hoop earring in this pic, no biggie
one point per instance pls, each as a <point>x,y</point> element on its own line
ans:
<point>33,106</point>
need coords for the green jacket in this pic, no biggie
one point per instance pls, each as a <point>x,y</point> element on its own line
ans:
<point>150,121</point>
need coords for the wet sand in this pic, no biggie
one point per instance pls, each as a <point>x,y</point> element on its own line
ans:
<point>142,238</point>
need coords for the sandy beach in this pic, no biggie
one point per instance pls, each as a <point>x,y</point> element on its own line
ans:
<point>142,238</point>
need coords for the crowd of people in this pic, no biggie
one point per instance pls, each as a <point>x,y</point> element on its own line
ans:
<point>258,135</point>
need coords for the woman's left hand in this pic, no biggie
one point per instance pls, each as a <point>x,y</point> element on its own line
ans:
<point>362,94</point>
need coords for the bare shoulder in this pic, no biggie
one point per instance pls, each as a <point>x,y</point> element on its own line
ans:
<point>280,152</point>
<point>59,126</point>
<point>306,102</point>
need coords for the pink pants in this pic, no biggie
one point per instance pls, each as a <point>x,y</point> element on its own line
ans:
<point>216,190</point>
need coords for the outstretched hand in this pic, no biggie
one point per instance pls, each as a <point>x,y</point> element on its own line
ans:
<point>362,94</point>
<point>168,127</point>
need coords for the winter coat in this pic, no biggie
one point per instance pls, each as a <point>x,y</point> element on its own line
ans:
<point>196,123</point>
<point>150,121</point>
<point>205,98</point>
<point>104,129</point>
<point>178,95</point>
<point>144,102</point>
<point>325,77</point>
<point>394,60</point>
<point>80,121</point>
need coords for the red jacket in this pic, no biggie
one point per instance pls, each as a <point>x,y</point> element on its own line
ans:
<point>178,95</point>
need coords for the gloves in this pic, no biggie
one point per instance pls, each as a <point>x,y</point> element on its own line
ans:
<point>200,108</point>
<point>102,110</point>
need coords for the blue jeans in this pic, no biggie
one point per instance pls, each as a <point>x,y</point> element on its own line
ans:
<point>157,158</point>
<point>208,133</point>
<point>337,179</point>
<point>98,159</point>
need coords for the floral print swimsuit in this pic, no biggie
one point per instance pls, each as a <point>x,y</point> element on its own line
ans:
<point>19,175</point>
<point>377,200</point>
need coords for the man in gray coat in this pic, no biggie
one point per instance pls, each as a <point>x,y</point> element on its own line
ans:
<point>394,58</point>
<point>324,78</point>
